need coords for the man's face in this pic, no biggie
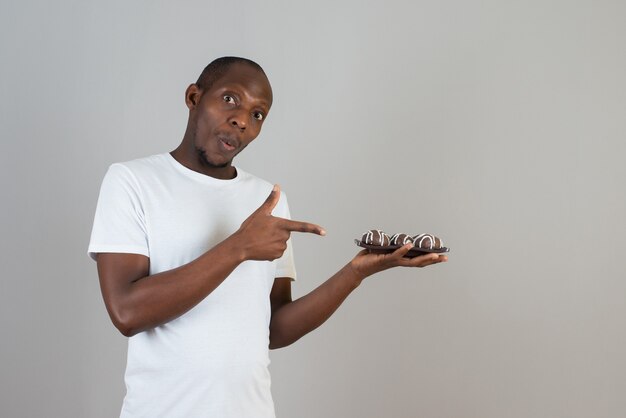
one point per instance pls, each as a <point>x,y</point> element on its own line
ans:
<point>229,114</point>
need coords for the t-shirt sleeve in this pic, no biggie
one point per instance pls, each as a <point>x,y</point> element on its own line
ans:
<point>285,266</point>
<point>119,224</point>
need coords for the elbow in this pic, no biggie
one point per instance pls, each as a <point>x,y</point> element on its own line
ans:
<point>274,345</point>
<point>125,330</point>
<point>280,340</point>
<point>275,341</point>
<point>282,334</point>
<point>123,321</point>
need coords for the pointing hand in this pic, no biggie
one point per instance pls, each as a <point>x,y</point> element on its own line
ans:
<point>264,237</point>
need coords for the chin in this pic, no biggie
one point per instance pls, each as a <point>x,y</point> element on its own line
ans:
<point>204,159</point>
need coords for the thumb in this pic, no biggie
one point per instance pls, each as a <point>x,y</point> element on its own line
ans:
<point>271,201</point>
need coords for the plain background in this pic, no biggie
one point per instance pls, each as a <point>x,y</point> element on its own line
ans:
<point>497,125</point>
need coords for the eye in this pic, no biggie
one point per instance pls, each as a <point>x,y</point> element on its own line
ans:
<point>259,116</point>
<point>228,99</point>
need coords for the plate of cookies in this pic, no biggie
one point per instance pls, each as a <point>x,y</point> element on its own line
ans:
<point>377,241</point>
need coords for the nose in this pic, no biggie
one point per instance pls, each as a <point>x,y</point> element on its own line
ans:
<point>238,121</point>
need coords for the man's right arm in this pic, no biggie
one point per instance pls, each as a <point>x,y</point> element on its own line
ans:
<point>137,301</point>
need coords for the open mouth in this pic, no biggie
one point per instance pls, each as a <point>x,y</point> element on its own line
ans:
<point>228,144</point>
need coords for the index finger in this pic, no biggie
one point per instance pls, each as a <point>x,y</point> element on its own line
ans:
<point>298,226</point>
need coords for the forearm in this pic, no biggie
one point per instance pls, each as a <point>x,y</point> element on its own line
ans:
<point>293,320</point>
<point>156,299</point>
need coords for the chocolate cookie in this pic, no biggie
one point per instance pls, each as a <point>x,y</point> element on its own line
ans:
<point>427,241</point>
<point>375,237</point>
<point>400,239</point>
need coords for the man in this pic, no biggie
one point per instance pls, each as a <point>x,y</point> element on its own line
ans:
<point>195,262</point>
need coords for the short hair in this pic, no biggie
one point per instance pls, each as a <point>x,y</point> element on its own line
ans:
<point>218,67</point>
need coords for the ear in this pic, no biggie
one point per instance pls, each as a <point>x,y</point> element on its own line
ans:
<point>192,96</point>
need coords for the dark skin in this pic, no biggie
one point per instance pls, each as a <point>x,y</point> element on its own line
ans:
<point>223,120</point>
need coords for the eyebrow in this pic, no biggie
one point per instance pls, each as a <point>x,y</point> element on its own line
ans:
<point>264,103</point>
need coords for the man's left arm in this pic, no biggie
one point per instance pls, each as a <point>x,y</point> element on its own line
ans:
<point>291,320</point>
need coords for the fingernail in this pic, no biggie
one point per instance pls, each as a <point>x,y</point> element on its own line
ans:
<point>322,232</point>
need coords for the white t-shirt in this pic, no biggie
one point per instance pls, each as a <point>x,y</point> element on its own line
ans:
<point>213,360</point>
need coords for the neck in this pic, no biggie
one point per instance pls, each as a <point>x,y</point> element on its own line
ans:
<point>188,156</point>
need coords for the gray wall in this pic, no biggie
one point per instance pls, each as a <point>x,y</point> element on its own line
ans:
<point>498,125</point>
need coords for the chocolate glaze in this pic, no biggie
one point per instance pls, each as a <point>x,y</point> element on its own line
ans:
<point>400,239</point>
<point>427,241</point>
<point>375,237</point>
